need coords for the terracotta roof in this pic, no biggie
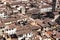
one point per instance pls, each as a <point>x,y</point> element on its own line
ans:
<point>39,21</point>
<point>33,11</point>
<point>1,24</point>
<point>14,39</point>
<point>48,1</point>
<point>9,20</point>
<point>46,6</point>
<point>11,26</point>
<point>47,20</point>
<point>22,28</point>
<point>57,35</point>
<point>23,32</point>
<point>49,32</point>
<point>32,27</point>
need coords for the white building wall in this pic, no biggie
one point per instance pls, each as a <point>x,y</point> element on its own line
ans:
<point>57,3</point>
<point>26,36</point>
<point>29,35</point>
<point>19,38</point>
<point>57,39</point>
<point>47,39</point>
<point>46,9</point>
<point>11,31</point>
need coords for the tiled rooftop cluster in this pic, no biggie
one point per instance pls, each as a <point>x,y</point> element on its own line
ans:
<point>29,20</point>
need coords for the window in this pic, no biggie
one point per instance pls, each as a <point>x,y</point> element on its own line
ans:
<point>2,30</point>
<point>24,22</point>
<point>3,27</point>
<point>20,35</point>
<point>39,33</point>
<point>23,39</point>
<point>19,22</point>
<point>58,29</point>
<point>13,36</point>
<point>6,29</point>
<point>7,36</point>
<point>57,6</point>
<point>1,3</point>
<point>58,39</point>
<point>12,28</point>
<point>9,29</point>
<point>0,27</point>
<point>59,12</point>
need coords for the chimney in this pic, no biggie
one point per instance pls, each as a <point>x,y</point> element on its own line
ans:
<point>23,10</point>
